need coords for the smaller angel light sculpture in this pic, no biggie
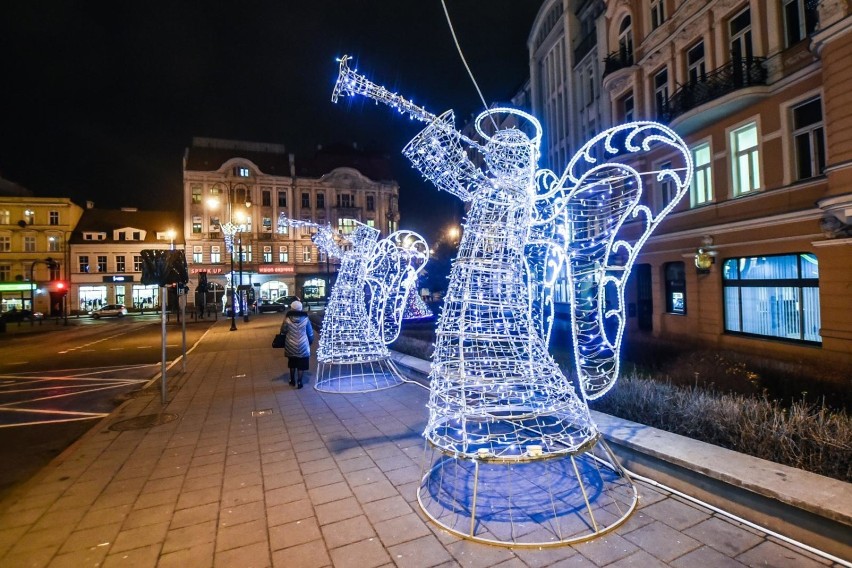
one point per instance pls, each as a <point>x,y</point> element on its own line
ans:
<point>353,354</point>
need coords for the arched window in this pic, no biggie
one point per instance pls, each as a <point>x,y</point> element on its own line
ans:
<point>625,40</point>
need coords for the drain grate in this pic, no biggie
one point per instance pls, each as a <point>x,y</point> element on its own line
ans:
<point>142,422</point>
<point>264,412</point>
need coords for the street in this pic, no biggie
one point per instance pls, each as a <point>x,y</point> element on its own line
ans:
<point>57,382</point>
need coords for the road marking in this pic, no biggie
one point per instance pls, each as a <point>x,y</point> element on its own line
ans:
<point>116,348</point>
<point>17,363</point>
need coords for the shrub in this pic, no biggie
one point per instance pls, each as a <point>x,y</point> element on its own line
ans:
<point>801,435</point>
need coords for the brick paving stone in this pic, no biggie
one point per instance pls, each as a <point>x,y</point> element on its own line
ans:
<point>423,552</point>
<point>100,536</point>
<point>402,529</point>
<point>35,540</point>
<point>236,536</point>
<point>189,499</point>
<point>706,557</point>
<point>164,484</point>
<point>59,518</point>
<point>364,476</point>
<point>511,563</point>
<point>676,514</point>
<point>291,534</point>
<point>203,482</point>
<point>347,531</point>
<point>355,464</point>
<point>242,496</point>
<point>243,513</point>
<point>329,493</point>
<point>365,554</point>
<point>770,553</point>
<point>728,538</point>
<point>321,478</point>
<point>307,555</point>
<point>251,556</point>
<point>374,491</point>
<point>539,557</point>
<point>141,557</point>
<point>289,512</point>
<point>149,516</point>
<point>286,494</point>
<point>139,537</point>
<point>191,536</point>
<point>389,508</point>
<point>240,481</point>
<point>31,558</point>
<point>405,475</point>
<point>199,555</point>
<point>317,465</point>
<point>167,497</point>
<point>195,515</point>
<point>9,537</point>
<point>662,541</point>
<point>338,511</point>
<point>606,549</point>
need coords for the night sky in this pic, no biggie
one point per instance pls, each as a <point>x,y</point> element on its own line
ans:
<point>101,99</point>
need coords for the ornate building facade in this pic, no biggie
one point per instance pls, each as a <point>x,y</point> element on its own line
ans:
<point>250,185</point>
<point>756,259</point>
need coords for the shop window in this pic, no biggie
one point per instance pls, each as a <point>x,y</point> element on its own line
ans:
<point>701,190</point>
<point>773,296</point>
<point>197,254</point>
<point>215,254</point>
<point>119,294</point>
<point>345,225</point>
<point>675,288</point>
<point>120,265</point>
<point>801,19</point>
<point>314,289</point>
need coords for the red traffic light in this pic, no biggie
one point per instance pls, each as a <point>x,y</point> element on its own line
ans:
<point>60,285</point>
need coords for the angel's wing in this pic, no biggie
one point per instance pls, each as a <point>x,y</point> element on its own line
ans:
<point>391,273</point>
<point>609,218</point>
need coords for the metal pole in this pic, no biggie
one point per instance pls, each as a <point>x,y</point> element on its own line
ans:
<point>233,293</point>
<point>32,294</point>
<point>163,302</point>
<point>183,319</point>
<point>242,307</point>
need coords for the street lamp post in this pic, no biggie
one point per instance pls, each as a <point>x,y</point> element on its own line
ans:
<point>230,229</point>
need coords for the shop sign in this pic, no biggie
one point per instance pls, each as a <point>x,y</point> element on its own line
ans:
<point>275,269</point>
<point>118,278</point>
<point>211,270</point>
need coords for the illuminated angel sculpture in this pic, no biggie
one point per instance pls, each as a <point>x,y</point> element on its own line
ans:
<point>353,354</point>
<point>497,398</point>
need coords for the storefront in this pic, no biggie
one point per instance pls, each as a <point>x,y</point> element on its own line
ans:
<point>15,295</point>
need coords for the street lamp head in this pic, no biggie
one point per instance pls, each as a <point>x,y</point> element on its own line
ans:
<point>212,203</point>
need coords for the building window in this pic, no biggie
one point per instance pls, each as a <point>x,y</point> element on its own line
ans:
<point>137,235</point>
<point>809,139</point>
<point>661,91</point>
<point>283,254</point>
<point>102,263</point>
<point>675,288</point>
<point>197,254</point>
<point>773,296</point>
<point>52,244</point>
<point>345,200</point>
<point>668,188</point>
<point>371,223</point>
<point>320,201</point>
<point>196,193</point>
<point>266,198</point>
<point>745,159</point>
<point>741,46</point>
<point>242,171</point>
<point>658,13</point>
<point>5,244</point>
<point>5,217</point>
<point>137,263</point>
<point>120,265</point>
<point>53,218</point>
<point>5,272</point>
<point>701,190</point>
<point>800,20</point>
<point>282,198</point>
<point>696,68</point>
<point>29,216</point>
<point>371,203</point>
<point>627,108</point>
<point>267,254</point>
<point>215,192</point>
<point>266,224</point>
<point>214,224</point>
<point>306,254</point>
<point>625,41</point>
<point>346,226</point>
<point>29,244</point>
<point>215,254</point>
<point>83,263</point>
<point>306,200</point>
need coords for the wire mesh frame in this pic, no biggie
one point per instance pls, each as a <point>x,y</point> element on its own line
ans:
<point>540,502</point>
<point>352,377</point>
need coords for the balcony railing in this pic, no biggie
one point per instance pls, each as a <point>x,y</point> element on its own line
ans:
<point>617,60</point>
<point>737,74</point>
<point>585,46</point>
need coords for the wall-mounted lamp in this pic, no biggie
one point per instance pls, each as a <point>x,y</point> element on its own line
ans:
<point>704,258</point>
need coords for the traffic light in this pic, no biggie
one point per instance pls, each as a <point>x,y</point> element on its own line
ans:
<point>61,287</point>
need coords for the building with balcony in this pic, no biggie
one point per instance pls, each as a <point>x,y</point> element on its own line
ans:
<point>33,249</point>
<point>250,185</point>
<point>105,256</point>
<point>756,257</point>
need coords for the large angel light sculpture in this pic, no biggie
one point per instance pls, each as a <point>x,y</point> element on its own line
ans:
<point>352,355</point>
<point>520,461</point>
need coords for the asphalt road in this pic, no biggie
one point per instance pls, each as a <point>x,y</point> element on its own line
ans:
<point>57,382</point>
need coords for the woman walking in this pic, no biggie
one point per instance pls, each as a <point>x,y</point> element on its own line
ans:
<point>298,336</point>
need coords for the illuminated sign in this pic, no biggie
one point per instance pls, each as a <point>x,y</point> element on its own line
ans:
<point>118,278</point>
<point>213,270</point>
<point>275,269</point>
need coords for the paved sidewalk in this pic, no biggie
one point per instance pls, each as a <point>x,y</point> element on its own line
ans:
<point>255,473</point>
